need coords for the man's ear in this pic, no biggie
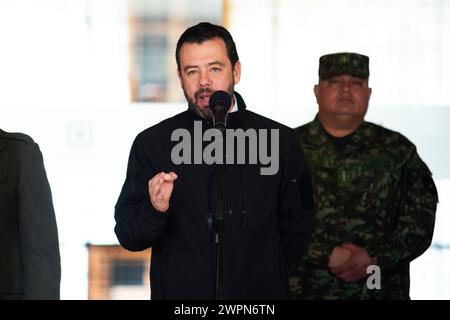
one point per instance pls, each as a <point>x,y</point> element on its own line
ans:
<point>317,91</point>
<point>179,74</point>
<point>237,72</point>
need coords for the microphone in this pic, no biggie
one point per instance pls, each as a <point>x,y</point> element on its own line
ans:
<point>219,103</point>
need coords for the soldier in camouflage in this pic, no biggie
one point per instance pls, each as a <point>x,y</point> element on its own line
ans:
<point>375,198</point>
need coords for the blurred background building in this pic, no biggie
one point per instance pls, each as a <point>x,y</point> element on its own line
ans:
<point>84,77</point>
<point>115,273</point>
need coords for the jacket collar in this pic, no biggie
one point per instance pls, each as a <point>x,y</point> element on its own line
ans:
<point>3,144</point>
<point>361,138</point>
<point>240,101</point>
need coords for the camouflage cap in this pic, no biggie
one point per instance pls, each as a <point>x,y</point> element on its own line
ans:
<point>343,63</point>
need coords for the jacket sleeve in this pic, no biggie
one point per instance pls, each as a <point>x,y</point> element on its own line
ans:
<point>296,215</point>
<point>39,245</point>
<point>415,216</point>
<point>138,224</point>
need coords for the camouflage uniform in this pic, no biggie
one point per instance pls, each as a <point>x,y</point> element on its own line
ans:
<point>375,192</point>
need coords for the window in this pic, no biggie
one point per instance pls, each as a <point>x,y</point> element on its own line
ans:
<point>115,273</point>
<point>127,272</point>
<point>154,29</point>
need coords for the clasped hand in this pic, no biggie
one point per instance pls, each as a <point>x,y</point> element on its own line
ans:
<point>349,262</point>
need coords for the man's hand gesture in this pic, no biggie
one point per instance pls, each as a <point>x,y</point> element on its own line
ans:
<point>160,189</point>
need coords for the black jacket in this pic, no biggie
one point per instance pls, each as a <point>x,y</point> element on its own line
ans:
<point>268,218</point>
<point>30,261</point>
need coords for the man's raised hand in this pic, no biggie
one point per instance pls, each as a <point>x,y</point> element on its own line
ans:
<point>160,189</point>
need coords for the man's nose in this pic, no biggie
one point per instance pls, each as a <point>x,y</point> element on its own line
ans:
<point>204,79</point>
<point>345,86</point>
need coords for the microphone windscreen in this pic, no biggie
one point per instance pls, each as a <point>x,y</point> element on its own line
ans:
<point>220,98</point>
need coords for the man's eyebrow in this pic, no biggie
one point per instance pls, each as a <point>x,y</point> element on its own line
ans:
<point>216,62</point>
<point>190,67</point>
<point>208,64</point>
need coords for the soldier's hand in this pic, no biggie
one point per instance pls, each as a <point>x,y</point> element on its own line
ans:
<point>338,257</point>
<point>355,268</point>
<point>160,189</point>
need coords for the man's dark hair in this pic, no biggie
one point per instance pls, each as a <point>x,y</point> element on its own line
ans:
<point>207,31</point>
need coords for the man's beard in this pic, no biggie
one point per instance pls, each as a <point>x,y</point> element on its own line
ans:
<point>205,113</point>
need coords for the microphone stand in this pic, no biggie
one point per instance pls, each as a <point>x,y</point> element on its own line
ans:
<point>220,217</point>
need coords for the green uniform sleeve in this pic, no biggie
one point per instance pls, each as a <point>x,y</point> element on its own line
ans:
<point>415,216</point>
